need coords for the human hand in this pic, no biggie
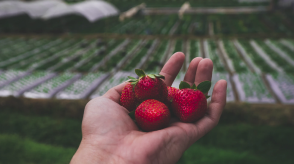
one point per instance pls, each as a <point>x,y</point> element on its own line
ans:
<point>111,136</point>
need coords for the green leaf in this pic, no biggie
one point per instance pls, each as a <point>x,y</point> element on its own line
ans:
<point>131,80</point>
<point>130,77</point>
<point>194,86</point>
<point>207,97</point>
<point>151,76</point>
<point>140,72</point>
<point>132,115</point>
<point>204,86</point>
<point>160,76</point>
<point>134,83</point>
<point>184,85</point>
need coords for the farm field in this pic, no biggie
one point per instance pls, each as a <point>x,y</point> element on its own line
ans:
<point>199,25</point>
<point>86,68</point>
<point>56,56</point>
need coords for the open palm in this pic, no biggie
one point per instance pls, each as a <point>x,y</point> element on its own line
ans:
<point>111,136</point>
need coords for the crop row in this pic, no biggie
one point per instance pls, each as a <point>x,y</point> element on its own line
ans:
<point>249,87</point>
<point>126,4</point>
<point>274,23</point>
<point>129,54</point>
<point>87,55</point>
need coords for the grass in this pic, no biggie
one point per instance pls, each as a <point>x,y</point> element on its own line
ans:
<point>29,139</point>
<point>60,132</point>
<point>243,143</point>
<point>17,150</point>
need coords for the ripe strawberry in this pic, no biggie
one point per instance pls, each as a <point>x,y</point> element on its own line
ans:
<point>127,98</point>
<point>152,115</point>
<point>190,104</point>
<point>172,91</point>
<point>149,87</point>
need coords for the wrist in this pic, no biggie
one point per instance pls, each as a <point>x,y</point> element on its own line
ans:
<point>90,154</point>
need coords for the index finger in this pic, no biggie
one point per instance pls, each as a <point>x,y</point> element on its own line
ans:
<point>172,67</point>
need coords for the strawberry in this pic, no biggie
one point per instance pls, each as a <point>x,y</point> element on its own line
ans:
<point>152,115</point>
<point>127,98</point>
<point>149,87</point>
<point>171,94</point>
<point>190,104</point>
<point>172,91</point>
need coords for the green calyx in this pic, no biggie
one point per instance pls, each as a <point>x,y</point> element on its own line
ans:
<point>204,87</point>
<point>142,74</point>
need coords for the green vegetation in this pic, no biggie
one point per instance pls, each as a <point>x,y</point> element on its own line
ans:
<point>238,63</point>
<point>153,64</point>
<point>130,66</point>
<point>252,24</point>
<point>16,149</point>
<point>275,57</point>
<point>215,57</point>
<point>27,139</point>
<point>259,61</point>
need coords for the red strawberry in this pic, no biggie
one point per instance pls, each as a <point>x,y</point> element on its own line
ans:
<point>149,87</point>
<point>189,105</point>
<point>171,94</point>
<point>152,115</point>
<point>127,98</point>
<point>172,91</point>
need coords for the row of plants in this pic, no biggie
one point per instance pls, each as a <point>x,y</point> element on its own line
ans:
<point>238,63</point>
<point>126,4</point>
<point>288,50</point>
<point>16,86</point>
<point>117,79</point>
<point>132,63</point>
<point>223,24</point>
<point>54,59</point>
<point>76,89</point>
<point>47,87</point>
<point>8,75</point>
<point>276,23</point>
<point>91,59</point>
<point>283,85</point>
<point>22,58</point>
<point>214,54</point>
<point>230,97</point>
<point>24,64</point>
<point>154,64</point>
<point>252,89</point>
<point>112,63</point>
<point>259,61</point>
<point>21,48</point>
<point>275,57</point>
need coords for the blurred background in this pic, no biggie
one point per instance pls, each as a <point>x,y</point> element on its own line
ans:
<point>57,55</point>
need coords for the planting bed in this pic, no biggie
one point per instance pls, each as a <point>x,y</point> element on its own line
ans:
<point>10,76</point>
<point>275,58</point>
<point>255,57</point>
<point>212,52</point>
<point>218,76</point>
<point>117,79</point>
<point>155,63</point>
<point>26,83</point>
<point>251,88</point>
<point>49,88</point>
<point>83,87</point>
<point>78,68</point>
<point>283,86</point>
<point>238,64</point>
